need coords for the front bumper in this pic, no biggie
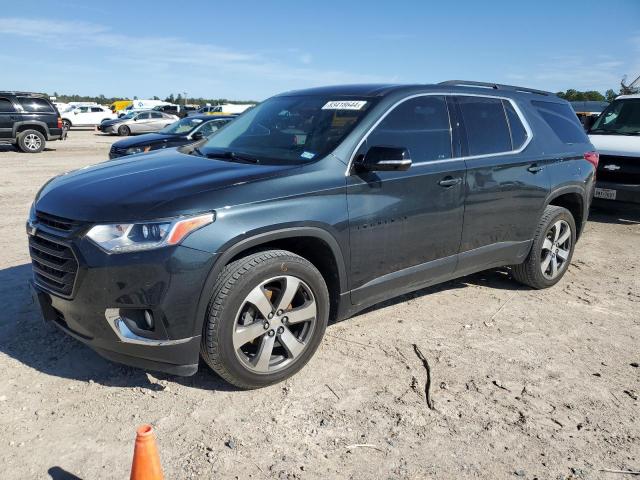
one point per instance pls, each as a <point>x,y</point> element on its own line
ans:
<point>626,193</point>
<point>110,289</point>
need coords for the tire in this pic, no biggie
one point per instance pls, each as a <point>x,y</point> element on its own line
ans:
<point>554,242</point>
<point>269,275</point>
<point>124,131</point>
<point>66,124</point>
<point>31,141</point>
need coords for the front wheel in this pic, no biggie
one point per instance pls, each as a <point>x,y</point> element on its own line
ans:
<point>551,252</point>
<point>124,131</point>
<point>267,315</point>
<point>66,124</point>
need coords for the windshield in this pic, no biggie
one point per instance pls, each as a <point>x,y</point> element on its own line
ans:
<point>183,126</point>
<point>289,129</point>
<point>130,115</point>
<point>621,117</point>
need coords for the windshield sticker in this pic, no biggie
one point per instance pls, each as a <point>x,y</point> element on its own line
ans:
<point>307,155</point>
<point>344,105</point>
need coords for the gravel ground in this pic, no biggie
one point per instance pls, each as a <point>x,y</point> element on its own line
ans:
<point>525,384</point>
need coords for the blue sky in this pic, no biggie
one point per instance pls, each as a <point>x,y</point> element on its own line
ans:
<point>254,49</point>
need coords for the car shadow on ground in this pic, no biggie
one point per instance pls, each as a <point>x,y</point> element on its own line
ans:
<point>25,337</point>
<point>618,213</point>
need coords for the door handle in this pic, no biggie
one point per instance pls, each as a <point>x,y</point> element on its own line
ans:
<point>535,168</point>
<point>449,181</point>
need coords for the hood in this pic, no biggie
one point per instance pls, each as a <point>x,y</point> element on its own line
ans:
<point>162,184</point>
<point>622,145</point>
<point>147,139</point>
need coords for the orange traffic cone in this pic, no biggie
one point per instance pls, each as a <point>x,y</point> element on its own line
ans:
<point>146,460</point>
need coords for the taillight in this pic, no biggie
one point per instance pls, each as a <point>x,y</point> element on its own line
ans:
<point>593,158</point>
<point>59,122</point>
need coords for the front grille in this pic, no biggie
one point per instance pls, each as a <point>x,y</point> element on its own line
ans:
<point>54,265</point>
<point>627,173</point>
<point>58,223</point>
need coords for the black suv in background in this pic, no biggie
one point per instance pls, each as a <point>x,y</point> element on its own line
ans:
<point>311,206</point>
<point>184,131</point>
<point>29,120</point>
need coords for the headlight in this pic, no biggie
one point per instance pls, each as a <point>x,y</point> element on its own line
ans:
<point>133,237</point>
<point>134,150</point>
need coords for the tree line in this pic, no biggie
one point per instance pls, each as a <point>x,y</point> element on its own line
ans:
<point>570,95</point>
<point>177,99</point>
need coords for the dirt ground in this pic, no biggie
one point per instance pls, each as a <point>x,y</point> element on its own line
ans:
<point>525,384</point>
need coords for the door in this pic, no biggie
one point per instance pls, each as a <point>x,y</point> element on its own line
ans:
<point>81,116</point>
<point>506,183</point>
<point>97,115</point>
<point>8,116</point>
<point>142,123</point>
<point>158,121</point>
<point>405,227</point>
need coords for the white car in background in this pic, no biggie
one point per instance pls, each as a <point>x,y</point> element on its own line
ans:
<point>138,122</point>
<point>86,116</point>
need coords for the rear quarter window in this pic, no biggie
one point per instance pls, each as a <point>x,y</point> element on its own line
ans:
<point>35,105</point>
<point>562,120</point>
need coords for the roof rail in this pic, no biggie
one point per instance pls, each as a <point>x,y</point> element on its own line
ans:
<point>495,86</point>
<point>34,94</point>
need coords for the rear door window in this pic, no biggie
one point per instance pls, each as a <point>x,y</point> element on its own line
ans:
<point>6,105</point>
<point>421,125</point>
<point>486,125</point>
<point>33,104</point>
<point>96,109</point>
<point>562,120</point>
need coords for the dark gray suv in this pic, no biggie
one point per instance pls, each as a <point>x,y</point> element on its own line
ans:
<point>308,208</point>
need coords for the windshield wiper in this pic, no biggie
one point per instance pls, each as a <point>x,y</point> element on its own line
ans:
<point>233,156</point>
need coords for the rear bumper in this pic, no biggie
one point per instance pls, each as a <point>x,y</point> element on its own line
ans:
<point>625,193</point>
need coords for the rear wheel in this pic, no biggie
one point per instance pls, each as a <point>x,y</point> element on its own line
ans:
<point>267,316</point>
<point>124,131</point>
<point>551,251</point>
<point>31,141</point>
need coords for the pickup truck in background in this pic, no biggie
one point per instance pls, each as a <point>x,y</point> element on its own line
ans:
<point>616,136</point>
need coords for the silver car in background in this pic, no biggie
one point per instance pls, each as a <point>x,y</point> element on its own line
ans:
<point>146,121</point>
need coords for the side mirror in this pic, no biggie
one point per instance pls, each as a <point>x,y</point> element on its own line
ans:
<point>197,135</point>
<point>385,159</point>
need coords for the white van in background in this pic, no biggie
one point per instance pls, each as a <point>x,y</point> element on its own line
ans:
<point>138,105</point>
<point>616,136</point>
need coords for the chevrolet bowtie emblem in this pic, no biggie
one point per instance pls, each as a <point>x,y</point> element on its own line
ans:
<point>611,167</point>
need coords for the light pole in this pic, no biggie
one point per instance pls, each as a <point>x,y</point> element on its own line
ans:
<point>184,94</point>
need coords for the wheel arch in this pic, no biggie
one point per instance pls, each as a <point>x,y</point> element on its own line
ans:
<point>573,199</point>
<point>315,244</point>
<point>41,127</point>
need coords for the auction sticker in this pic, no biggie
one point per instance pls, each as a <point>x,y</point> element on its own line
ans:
<point>344,105</point>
